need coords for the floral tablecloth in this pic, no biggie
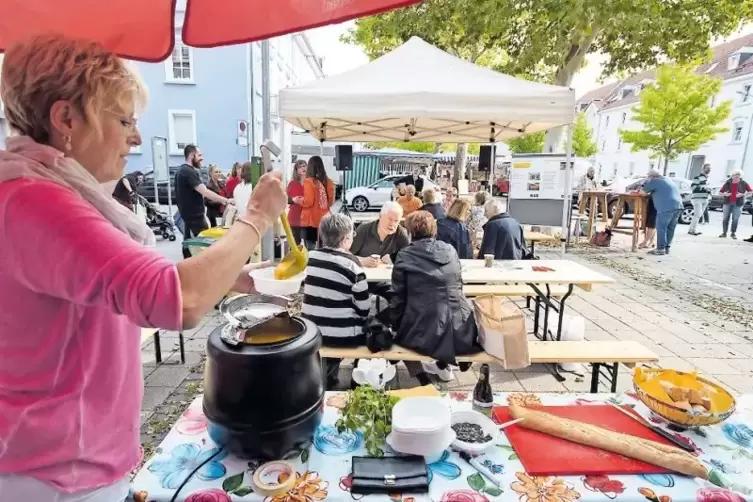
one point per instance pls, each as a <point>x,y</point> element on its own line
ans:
<point>323,468</point>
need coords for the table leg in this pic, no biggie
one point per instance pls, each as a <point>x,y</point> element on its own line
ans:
<point>182,347</point>
<point>533,246</point>
<point>157,348</point>
<point>592,219</point>
<point>604,209</point>
<point>562,310</point>
<point>612,372</point>
<point>595,378</point>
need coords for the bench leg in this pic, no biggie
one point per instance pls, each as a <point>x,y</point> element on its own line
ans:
<point>611,376</point>
<point>562,310</point>
<point>157,348</point>
<point>537,304</point>
<point>182,346</point>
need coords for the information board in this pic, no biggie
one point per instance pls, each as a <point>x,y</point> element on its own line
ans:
<point>537,178</point>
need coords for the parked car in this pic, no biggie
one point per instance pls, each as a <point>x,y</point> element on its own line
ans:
<point>717,201</point>
<point>146,189</point>
<point>375,195</point>
<point>682,184</point>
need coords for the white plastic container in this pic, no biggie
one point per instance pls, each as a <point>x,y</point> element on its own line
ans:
<point>421,426</point>
<point>486,424</point>
<point>420,415</point>
<point>266,284</point>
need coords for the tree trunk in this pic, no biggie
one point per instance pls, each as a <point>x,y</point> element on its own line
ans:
<point>461,156</point>
<point>554,141</point>
<point>666,164</point>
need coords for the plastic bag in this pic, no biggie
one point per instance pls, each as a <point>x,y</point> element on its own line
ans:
<point>502,331</point>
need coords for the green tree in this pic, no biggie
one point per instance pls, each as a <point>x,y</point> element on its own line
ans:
<point>584,145</point>
<point>548,40</point>
<point>675,113</point>
<point>530,143</point>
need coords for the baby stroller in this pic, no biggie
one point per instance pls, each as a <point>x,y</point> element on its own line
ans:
<point>158,221</point>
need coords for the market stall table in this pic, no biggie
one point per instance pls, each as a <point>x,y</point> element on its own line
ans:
<point>592,200</point>
<point>323,467</point>
<point>638,201</point>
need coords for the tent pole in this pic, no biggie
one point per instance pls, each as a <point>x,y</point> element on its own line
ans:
<point>267,241</point>
<point>567,208</point>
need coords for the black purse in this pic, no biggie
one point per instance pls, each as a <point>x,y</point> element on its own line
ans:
<point>406,474</point>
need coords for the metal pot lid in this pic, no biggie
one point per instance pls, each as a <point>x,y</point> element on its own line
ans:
<point>243,312</point>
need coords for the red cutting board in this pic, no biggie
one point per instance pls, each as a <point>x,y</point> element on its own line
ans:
<point>545,455</point>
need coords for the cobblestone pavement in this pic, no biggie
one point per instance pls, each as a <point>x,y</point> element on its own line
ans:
<point>693,308</point>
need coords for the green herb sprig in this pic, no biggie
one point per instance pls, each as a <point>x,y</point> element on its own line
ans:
<point>369,411</point>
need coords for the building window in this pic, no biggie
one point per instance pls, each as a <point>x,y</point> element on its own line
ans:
<point>737,131</point>
<point>733,62</point>
<point>619,144</point>
<point>614,169</point>
<point>624,117</point>
<point>731,166</point>
<point>607,123</point>
<point>603,145</point>
<point>745,96</point>
<point>712,101</point>
<point>181,126</point>
<point>179,67</point>
<point>631,168</point>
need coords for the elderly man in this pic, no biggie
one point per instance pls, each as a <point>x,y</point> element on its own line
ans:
<point>414,179</point>
<point>335,291</point>
<point>503,235</point>
<point>432,206</point>
<point>668,203</point>
<point>409,201</point>
<point>382,238</point>
<point>588,181</point>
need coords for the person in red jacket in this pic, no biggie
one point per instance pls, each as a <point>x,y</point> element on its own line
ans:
<point>233,180</point>
<point>295,199</point>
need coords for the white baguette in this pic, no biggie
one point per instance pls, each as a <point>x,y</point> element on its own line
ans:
<point>651,452</point>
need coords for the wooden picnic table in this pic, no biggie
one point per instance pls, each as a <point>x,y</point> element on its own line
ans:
<point>563,272</point>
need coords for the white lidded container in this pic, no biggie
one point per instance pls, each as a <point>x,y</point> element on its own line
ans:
<point>421,426</point>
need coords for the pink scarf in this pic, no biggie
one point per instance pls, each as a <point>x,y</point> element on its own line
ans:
<point>25,158</point>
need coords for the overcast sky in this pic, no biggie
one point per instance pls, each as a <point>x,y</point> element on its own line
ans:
<point>340,57</point>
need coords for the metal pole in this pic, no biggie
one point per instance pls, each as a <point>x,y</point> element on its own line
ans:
<point>567,207</point>
<point>250,97</point>
<point>267,247</point>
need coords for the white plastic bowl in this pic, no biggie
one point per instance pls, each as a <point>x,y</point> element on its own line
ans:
<point>266,284</point>
<point>429,446</point>
<point>420,415</point>
<point>487,425</point>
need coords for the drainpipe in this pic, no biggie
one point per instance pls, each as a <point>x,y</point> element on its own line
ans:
<point>267,248</point>
<point>747,142</point>
<point>250,98</point>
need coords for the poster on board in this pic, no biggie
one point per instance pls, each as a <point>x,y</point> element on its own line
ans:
<point>537,178</point>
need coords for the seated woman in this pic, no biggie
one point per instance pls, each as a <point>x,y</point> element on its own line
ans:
<point>453,231</point>
<point>335,291</point>
<point>430,314</point>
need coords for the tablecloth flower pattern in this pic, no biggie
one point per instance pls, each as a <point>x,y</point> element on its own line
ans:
<point>323,468</point>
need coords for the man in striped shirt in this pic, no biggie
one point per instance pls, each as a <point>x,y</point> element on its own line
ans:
<point>700,196</point>
<point>335,292</point>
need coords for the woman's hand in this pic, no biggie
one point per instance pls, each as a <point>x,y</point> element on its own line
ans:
<point>297,200</point>
<point>386,260</point>
<point>269,199</point>
<point>244,283</point>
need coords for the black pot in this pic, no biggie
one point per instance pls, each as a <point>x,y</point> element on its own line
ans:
<point>264,400</point>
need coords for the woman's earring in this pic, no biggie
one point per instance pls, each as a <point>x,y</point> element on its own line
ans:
<point>68,145</point>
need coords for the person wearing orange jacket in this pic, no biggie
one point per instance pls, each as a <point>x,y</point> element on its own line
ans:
<point>318,196</point>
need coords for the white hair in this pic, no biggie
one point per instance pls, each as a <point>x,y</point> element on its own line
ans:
<point>391,207</point>
<point>654,173</point>
<point>494,207</point>
<point>736,172</point>
<point>334,229</point>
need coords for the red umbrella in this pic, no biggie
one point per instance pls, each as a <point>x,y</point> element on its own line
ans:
<point>144,29</point>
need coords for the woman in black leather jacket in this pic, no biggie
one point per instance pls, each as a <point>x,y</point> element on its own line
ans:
<point>430,314</point>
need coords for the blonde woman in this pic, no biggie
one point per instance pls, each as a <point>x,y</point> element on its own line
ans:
<point>71,385</point>
<point>453,231</point>
<point>477,218</point>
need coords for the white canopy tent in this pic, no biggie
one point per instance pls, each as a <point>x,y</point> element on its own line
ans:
<point>420,93</point>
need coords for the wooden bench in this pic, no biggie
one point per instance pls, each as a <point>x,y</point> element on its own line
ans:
<point>510,290</point>
<point>154,333</point>
<point>600,355</point>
